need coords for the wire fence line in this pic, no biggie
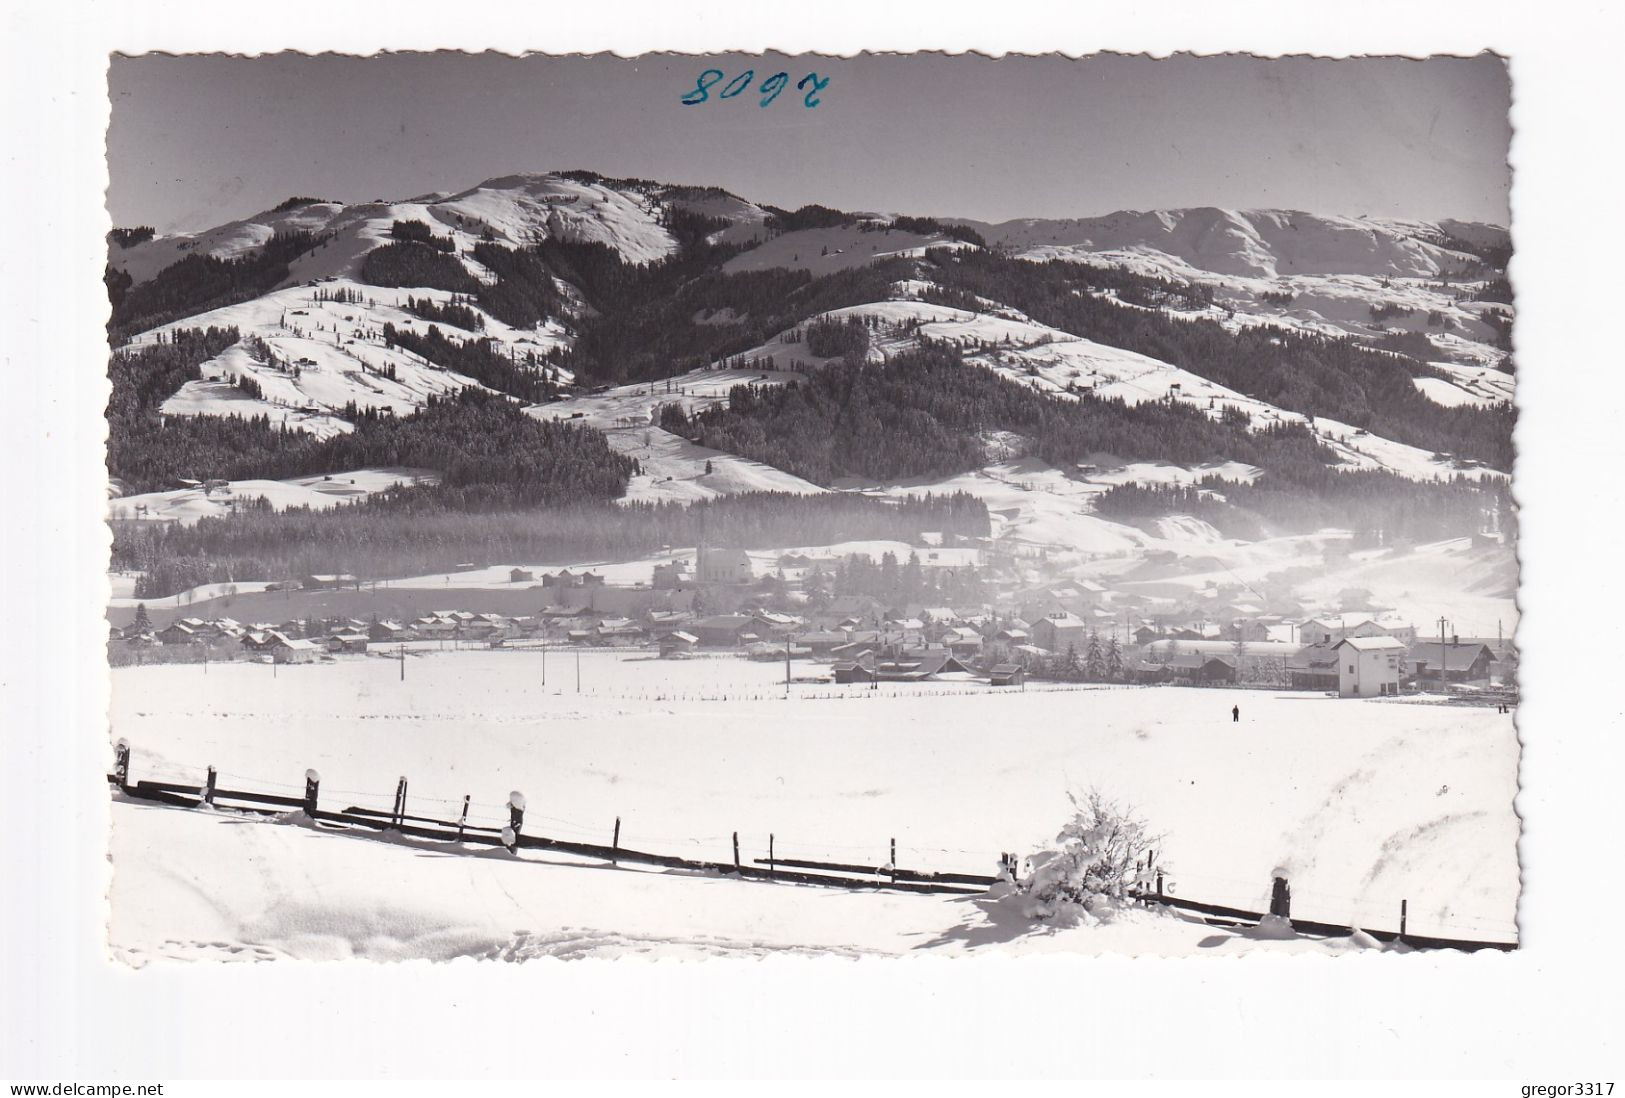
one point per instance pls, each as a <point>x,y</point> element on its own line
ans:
<point>503,825</point>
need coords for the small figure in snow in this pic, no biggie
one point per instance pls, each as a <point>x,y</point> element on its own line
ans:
<point>1235,714</point>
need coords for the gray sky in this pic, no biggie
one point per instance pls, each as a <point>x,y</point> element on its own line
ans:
<point>195,141</point>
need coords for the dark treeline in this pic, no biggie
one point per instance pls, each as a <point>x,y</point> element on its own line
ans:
<point>129,238</point>
<point>1315,375</point>
<point>927,413</point>
<point>524,294</point>
<point>477,358</point>
<point>455,313</point>
<point>415,264</point>
<point>199,283</point>
<point>418,231</point>
<point>416,532</point>
<point>1380,507</point>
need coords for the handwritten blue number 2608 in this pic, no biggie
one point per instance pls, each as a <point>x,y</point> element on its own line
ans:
<point>770,88</point>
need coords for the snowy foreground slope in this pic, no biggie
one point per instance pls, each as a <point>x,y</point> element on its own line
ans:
<point>1360,804</point>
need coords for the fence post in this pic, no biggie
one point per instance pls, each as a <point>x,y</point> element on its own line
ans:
<point>1159,884</point>
<point>893,865</point>
<point>736,852</point>
<point>313,782</point>
<point>1281,899</point>
<point>1404,917</point>
<point>121,764</point>
<point>771,868</point>
<point>208,787</point>
<point>462,821</point>
<point>615,844</point>
<point>400,801</point>
<point>516,814</point>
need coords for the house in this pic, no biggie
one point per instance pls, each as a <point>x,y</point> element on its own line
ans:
<point>347,642</point>
<point>917,665</point>
<point>1458,660</point>
<point>723,565</point>
<point>1369,667</point>
<point>725,630</point>
<point>963,641</point>
<point>1189,667</point>
<point>1331,628</point>
<point>386,631</point>
<point>562,578</point>
<point>668,576</point>
<point>1313,667</point>
<point>821,642</point>
<point>677,643</point>
<point>620,631</point>
<point>284,649</point>
<point>1008,674</point>
<point>178,632</point>
<point>1060,630</point>
<point>591,579</point>
<point>850,671</point>
<point>520,575</point>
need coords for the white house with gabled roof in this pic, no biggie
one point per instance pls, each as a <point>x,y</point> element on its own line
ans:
<point>1369,667</point>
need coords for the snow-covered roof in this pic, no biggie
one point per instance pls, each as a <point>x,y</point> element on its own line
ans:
<point>1372,644</point>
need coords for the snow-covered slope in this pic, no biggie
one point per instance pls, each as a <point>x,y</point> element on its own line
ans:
<point>1387,802</point>
<point>187,505</point>
<point>325,354</point>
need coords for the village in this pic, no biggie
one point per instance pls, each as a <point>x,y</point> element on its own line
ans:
<point>714,603</point>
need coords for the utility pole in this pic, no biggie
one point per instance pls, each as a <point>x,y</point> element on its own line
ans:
<point>544,657</point>
<point>1444,653</point>
<point>403,662</point>
<point>578,670</point>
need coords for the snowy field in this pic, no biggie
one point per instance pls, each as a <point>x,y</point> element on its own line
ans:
<point>1359,803</point>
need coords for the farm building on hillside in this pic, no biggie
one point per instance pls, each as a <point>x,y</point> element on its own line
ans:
<point>347,642</point>
<point>1369,667</point>
<point>520,575</point>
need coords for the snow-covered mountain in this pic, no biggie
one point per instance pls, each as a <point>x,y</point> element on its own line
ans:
<point>1251,243</point>
<point>315,343</point>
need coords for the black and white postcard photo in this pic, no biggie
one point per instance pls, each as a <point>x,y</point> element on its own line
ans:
<point>741,542</point>
<point>919,557</point>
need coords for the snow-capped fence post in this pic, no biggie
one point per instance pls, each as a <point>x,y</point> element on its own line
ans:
<point>313,783</point>
<point>1159,884</point>
<point>516,814</point>
<point>400,801</point>
<point>1281,899</point>
<point>462,821</point>
<point>771,868</point>
<point>615,844</point>
<point>892,865</point>
<point>1404,918</point>
<point>208,787</point>
<point>121,764</point>
<point>736,851</point>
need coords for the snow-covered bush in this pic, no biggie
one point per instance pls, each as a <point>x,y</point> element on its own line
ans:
<point>1101,857</point>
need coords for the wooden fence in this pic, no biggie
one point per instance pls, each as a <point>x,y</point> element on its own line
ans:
<point>848,875</point>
